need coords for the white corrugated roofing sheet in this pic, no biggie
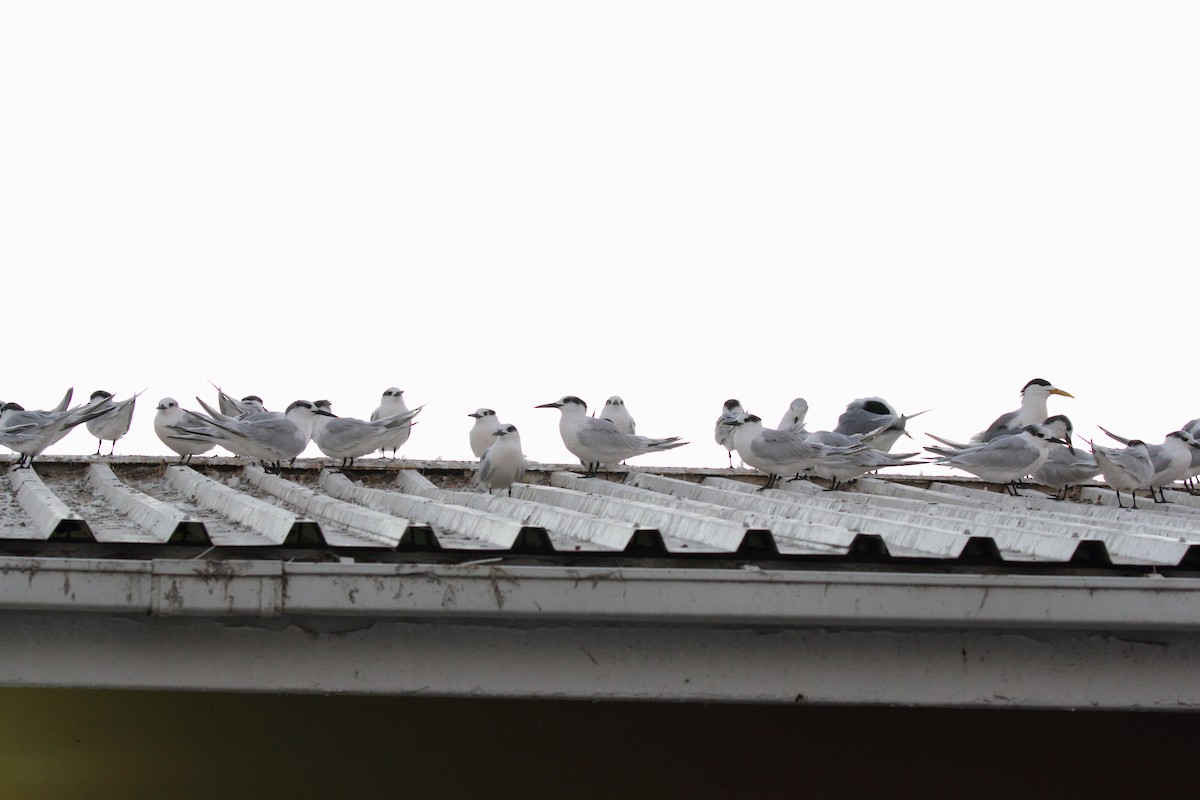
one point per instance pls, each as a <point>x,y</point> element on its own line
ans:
<point>398,506</point>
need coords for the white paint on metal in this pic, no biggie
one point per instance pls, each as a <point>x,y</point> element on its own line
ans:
<point>342,524</point>
<point>568,530</point>
<point>266,519</point>
<point>791,537</point>
<point>45,510</point>
<point>716,535</point>
<point>467,527</point>
<point>633,633</point>
<point>160,520</point>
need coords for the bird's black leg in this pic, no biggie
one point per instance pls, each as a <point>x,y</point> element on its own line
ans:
<point>113,449</point>
<point>99,444</point>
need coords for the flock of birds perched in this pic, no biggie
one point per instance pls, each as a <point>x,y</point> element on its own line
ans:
<point>1025,443</point>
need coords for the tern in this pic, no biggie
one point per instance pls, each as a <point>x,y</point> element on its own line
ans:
<point>868,414</point>
<point>724,429</point>
<point>391,404</point>
<point>778,453</point>
<point>1033,411</point>
<point>348,438</point>
<point>598,442</point>
<point>1004,460</point>
<point>1172,460</point>
<point>1193,427</point>
<point>1128,468</point>
<point>271,441</point>
<point>113,421</point>
<point>1065,466</point>
<point>615,412</point>
<point>858,461</point>
<point>168,418</point>
<point>48,427</point>
<point>503,464</point>
<point>482,433</point>
<point>793,418</point>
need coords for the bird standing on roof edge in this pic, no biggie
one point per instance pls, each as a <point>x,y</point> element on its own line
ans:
<point>271,441</point>
<point>1128,468</point>
<point>724,429</point>
<point>391,404</point>
<point>598,442</point>
<point>168,416</point>
<point>502,464</point>
<point>114,420</point>
<point>1004,460</point>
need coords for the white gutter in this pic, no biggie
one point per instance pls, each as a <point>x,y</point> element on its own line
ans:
<point>492,592</point>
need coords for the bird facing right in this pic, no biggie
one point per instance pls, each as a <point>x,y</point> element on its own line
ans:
<point>1033,411</point>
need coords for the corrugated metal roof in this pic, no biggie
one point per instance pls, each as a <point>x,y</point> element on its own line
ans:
<point>400,505</point>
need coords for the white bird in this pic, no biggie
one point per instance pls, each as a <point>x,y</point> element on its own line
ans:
<point>1172,460</point>
<point>238,409</point>
<point>168,417</point>
<point>724,429</point>
<point>271,441</point>
<point>19,435</point>
<point>49,427</point>
<point>778,453</point>
<point>502,464</point>
<point>1193,427</point>
<point>615,412</point>
<point>1128,468</point>
<point>1003,460</point>
<point>113,422</point>
<point>793,418</point>
<point>1064,466</point>
<point>1033,411</point>
<point>391,404</point>
<point>597,442</point>
<point>869,414</point>
<point>482,432</point>
<point>348,438</point>
<point>858,461</point>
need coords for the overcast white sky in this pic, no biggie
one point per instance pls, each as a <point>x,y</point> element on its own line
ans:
<point>496,204</point>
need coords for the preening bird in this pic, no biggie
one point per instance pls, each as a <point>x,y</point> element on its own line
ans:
<point>793,418</point>
<point>874,414</point>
